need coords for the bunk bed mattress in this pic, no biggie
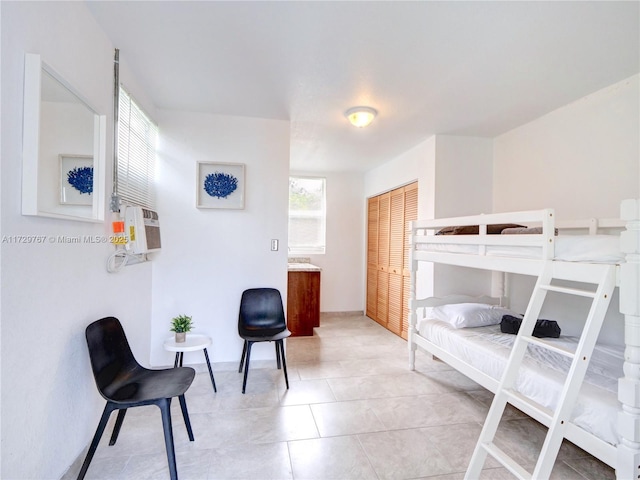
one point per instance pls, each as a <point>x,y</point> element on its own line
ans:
<point>568,248</point>
<point>543,373</point>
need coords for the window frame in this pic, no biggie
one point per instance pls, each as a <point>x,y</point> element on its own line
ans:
<point>318,249</point>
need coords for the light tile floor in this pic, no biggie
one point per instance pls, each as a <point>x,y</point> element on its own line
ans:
<point>353,411</point>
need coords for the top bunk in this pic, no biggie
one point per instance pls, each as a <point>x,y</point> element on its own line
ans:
<point>520,242</point>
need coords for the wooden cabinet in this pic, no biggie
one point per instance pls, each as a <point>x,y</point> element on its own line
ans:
<point>303,302</point>
<point>388,240</point>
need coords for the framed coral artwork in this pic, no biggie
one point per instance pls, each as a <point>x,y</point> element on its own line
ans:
<point>220,185</point>
<point>76,179</point>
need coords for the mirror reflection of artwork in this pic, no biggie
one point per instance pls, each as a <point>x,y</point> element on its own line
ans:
<point>76,180</point>
<point>63,157</point>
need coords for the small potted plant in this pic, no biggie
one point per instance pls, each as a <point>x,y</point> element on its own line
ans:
<point>181,325</point>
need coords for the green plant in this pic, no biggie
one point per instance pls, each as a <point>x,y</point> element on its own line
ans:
<point>181,323</point>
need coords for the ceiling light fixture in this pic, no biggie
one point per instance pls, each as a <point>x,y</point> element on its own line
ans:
<point>361,116</point>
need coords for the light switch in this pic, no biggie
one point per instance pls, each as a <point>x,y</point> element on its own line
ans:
<point>274,245</point>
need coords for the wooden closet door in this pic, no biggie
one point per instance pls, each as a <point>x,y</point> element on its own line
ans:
<point>372,257</point>
<point>410,214</point>
<point>387,256</point>
<point>384,232</point>
<point>396,251</point>
<point>396,230</point>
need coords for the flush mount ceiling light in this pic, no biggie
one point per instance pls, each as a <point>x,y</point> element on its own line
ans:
<point>361,116</point>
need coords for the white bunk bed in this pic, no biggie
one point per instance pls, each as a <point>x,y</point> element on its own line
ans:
<point>605,426</point>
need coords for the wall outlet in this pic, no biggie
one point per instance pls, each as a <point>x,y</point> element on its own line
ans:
<point>274,245</point>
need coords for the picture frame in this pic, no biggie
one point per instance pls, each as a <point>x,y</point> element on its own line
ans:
<point>220,185</point>
<point>76,179</point>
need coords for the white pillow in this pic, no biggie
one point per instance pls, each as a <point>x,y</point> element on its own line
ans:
<point>462,315</point>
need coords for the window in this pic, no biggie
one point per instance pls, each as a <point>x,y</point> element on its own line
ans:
<point>307,215</point>
<point>137,138</point>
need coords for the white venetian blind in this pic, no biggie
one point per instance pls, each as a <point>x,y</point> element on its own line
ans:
<point>137,138</point>
<point>307,215</point>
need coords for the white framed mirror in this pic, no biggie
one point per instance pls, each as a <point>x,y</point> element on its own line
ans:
<point>63,149</point>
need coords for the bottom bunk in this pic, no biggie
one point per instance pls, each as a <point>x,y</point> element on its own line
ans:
<point>481,353</point>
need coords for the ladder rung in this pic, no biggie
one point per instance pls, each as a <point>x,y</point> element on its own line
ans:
<point>549,346</point>
<point>508,462</point>
<point>527,405</point>
<point>569,291</point>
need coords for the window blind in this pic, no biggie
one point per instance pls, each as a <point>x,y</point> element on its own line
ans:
<point>137,139</point>
<point>307,215</point>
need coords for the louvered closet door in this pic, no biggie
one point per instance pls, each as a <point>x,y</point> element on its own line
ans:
<point>384,204</point>
<point>387,256</point>
<point>382,316</point>
<point>384,231</point>
<point>410,214</point>
<point>396,249</point>
<point>372,257</point>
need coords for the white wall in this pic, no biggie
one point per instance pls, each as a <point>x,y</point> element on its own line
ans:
<point>416,164</point>
<point>209,256</point>
<point>463,186</point>
<point>52,291</point>
<point>463,176</point>
<point>581,160</point>
<point>342,281</point>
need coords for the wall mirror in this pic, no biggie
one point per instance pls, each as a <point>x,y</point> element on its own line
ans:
<point>63,150</point>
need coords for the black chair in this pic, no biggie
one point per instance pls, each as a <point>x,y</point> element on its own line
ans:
<point>262,319</point>
<point>124,383</point>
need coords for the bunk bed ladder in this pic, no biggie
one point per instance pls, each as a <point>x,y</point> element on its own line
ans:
<point>505,393</point>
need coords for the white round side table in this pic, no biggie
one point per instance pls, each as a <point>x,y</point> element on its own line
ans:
<point>192,343</point>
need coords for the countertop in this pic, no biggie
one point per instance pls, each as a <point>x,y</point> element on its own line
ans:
<point>303,267</point>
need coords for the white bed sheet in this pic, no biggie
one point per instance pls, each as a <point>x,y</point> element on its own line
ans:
<point>543,372</point>
<point>568,248</point>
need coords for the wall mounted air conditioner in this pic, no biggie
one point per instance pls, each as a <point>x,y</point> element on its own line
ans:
<point>142,229</point>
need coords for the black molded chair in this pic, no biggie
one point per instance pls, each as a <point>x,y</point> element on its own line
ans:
<point>124,383</point>
<point>262,319</point>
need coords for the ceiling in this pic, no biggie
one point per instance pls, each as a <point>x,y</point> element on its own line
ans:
<point>459,68</point>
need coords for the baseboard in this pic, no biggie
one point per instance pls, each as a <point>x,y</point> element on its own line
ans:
<point>343,314</point>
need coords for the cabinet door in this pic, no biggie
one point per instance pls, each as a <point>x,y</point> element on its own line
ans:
<point>303,302</point>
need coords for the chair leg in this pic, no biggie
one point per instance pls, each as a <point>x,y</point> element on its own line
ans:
<point>278,356</point>
<point>108,408</point>
<point>116,428</point>
<point>185,415</point>
<point>246,366</point>
<point>244,353</point>
<point>165,411</point>
<point>213,382</point>
<point>284,362</point>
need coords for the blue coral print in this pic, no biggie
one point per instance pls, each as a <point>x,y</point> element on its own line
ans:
<point>220,185</point>
<point>81,178</point>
